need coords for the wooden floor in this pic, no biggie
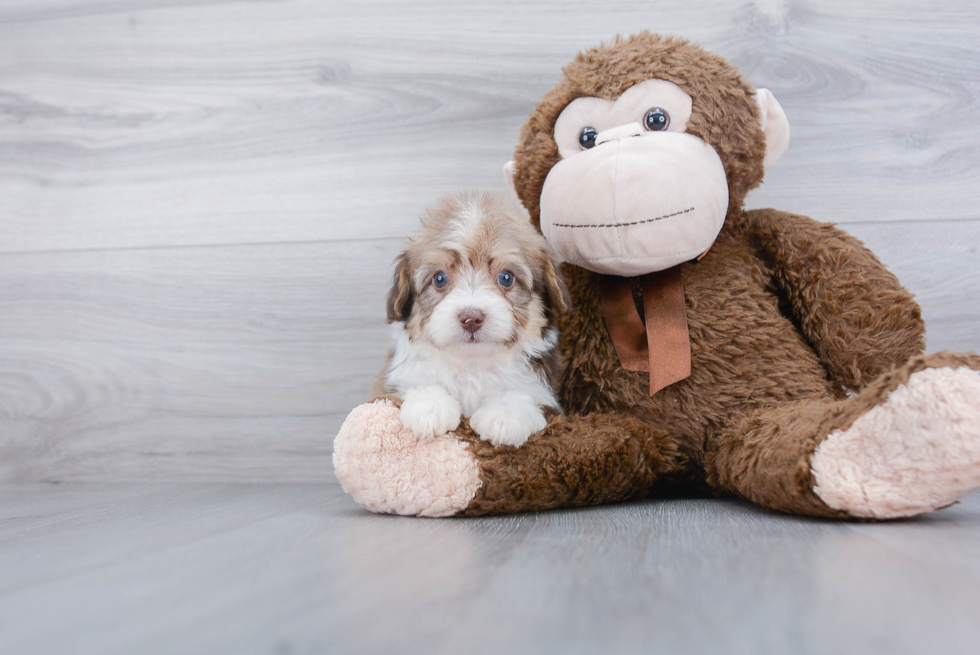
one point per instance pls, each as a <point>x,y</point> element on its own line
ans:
<point>200,202</point>
<point>211,568</point>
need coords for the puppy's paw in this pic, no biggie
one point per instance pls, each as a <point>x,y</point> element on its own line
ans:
<point>506,422</point>
<point>430,411</point>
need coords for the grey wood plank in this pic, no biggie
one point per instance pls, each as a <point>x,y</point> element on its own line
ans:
<point>239,363</point>
<point>300,569</point>
<point>168,123</point>
<point>234,363</point>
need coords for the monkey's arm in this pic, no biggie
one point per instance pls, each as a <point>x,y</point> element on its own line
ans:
<point>857,315</point>
<point>575,461</point>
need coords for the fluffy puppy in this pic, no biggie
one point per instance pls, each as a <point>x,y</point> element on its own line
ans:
<point>472,307</point>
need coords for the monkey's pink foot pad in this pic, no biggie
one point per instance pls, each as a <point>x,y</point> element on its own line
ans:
<point>916,452</point>
<point>388,469</point>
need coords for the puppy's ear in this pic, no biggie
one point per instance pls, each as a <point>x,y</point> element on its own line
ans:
<point>555,289</point>
<point>402,295</point>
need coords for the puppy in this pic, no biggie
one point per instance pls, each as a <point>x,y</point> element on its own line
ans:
<point>472,307</point>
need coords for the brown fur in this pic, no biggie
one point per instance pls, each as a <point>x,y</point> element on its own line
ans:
<point>574,462</point>
<point>785,315</point>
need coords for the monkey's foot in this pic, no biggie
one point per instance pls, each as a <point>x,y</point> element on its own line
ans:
<point>387,468</point>
<point>916,452</point>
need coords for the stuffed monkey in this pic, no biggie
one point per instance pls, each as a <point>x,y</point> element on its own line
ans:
<point>708,349</point>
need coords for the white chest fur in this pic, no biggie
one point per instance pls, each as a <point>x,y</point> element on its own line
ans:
<point>472,373</point>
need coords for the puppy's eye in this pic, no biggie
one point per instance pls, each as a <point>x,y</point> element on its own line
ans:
<point>440,280</point>
<point>656,120</point>
<point>586,138</point>
<point>505,279</point>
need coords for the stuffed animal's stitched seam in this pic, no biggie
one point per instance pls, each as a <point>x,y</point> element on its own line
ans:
<point>646,220</point>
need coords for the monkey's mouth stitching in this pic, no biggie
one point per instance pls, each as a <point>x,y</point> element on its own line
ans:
<point>646,220</point>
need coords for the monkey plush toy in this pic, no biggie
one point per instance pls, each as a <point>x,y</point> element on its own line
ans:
<point>708,349</point>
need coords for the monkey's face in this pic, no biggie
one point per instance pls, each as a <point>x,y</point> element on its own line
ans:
<point>633,193</point>
<point>632,163</point>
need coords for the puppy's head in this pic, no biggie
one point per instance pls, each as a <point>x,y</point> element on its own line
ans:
<point>477,275</point>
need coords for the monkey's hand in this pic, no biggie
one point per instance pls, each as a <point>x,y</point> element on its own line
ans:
<point>388,468</point>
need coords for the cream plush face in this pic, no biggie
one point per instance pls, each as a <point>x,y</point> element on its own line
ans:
<point>633,192</point>
<point>638,200</point>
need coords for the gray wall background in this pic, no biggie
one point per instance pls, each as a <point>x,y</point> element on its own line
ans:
<point>200,201</point>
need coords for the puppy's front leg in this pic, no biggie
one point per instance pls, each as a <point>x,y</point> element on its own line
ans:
<point>508,419</point>
<point>430,411</point>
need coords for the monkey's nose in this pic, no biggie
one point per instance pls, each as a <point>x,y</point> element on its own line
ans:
<point>617,133</point>
<point>471,320</point>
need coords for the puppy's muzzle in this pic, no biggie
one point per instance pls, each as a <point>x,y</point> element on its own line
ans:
<point>471,320</point>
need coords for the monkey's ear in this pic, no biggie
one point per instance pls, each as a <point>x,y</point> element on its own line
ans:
<point>558,297</point>
<point>774,124</point>
<point>509,170</point>
<point>402,295</point>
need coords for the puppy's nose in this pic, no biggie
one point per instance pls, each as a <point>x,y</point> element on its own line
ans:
<point>471,319</point>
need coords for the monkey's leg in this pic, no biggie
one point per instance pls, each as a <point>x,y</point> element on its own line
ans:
<point>909,443</point>
<point>574,461</point>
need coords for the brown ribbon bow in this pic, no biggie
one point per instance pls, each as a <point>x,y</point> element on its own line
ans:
<point>663,345</point>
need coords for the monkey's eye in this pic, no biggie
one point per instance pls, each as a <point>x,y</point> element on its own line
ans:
<point>586,138</point>
<point>506,278</point>
<point>656,120</point>
<point>440,280</point>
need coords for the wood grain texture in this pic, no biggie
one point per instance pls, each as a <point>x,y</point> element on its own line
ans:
<point>175,123</point>
<point>200,201</point>
<point>300,569</point>
<point>230,363</point>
